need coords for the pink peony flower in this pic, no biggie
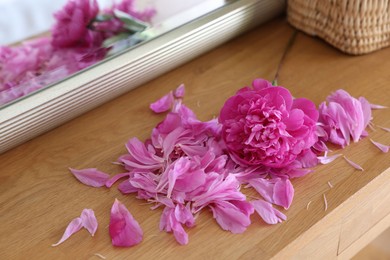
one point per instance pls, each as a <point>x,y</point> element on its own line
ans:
<point>344,118</point>
<point>71,29</point>
<point>266,126</point>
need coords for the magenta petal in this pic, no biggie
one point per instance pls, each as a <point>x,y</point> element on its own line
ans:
<point>382,147</point>
<point>283,193</point>
<point>163,104</point>
<point>89,221</point>
<point>180,91</point>
<point>74,226</point>
<point>125,187</point>
<point>124,229</point>
<point>353,164</point>
<point>269,214</point>
<point>91,177</point>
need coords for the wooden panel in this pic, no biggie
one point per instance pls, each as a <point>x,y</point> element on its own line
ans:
<point>38,196</point>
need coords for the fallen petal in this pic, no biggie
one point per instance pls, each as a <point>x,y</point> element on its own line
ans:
<point>124,229</point>
<point>382,147</point>
<point>268,213</point>
<point>74,226</point>
<point>374,106</point>
<point>355,165</point>
<point>163,104</point>
<point>89,221</point>
<point>114,179</point>
<point>325,203</point>
<point>384,128</point>
<point>91,177</point>
<point>180,91</point>
<point>328,159</point>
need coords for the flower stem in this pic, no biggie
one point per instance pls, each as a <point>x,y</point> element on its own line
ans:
<point>286,50</point>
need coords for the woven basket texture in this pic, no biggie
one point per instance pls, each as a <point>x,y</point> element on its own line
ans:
<point>353,26</point>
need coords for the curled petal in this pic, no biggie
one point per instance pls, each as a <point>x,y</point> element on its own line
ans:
<point>382,147</point>
<point>269,214</point>
<point>74,226</point>
<point>180,91</point>
<point>124,229</point>
<point>375,106</point>
<point>91,177</point>
<point>163,104</point>
<point>328,159</point>
<point>89,221</point>
<point>353,164</point>
<point>114,179</point>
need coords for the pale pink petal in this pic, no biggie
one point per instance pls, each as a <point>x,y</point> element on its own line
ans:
<point>163,104</point>
<point>180,91</point>
<point>74,226</point>
<point>328,159</point>
<point>124,229</point>
<point>125,187</point>
<point>91,177</point>
<point>353,164</point>
<point>89,221</point>
<point>384,128</point>
<point>382,147</point>
<point>170,223</point>
<point>269,214</point>
<point>233,216</point>
<point>374,106</point>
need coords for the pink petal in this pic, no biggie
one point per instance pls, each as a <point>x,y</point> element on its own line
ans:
<point>125,187</point>
<point>169,223</point>
<point>124,229</point>
<point>328,159</point>
<point>163,104</point>
<point>355,165</point>
<point>269,214</point>
<point>283,193</point>
<point>382,147</point>
<point>74,226</point>
<point>374,106</point>
<point>384,128</point>
<point>89,221</point>
<point>114,179</point>
<point>91,177</point>
<point>180,91</point>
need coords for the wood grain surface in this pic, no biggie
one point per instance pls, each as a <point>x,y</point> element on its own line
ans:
<point>39,196</point>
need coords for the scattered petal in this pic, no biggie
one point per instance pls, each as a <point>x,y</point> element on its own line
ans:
<point>89,221</point>
<point>74,226</point>
<point>124,229</point>
<point>374,106</point>
<point>114,179</point>
<point>163,104</point>
<point>330,184</point>
<point>268,213</point>
<point>307,206</point>
<point>328,159</point>
<point>100,256</point>
<point>384,128</point>
<point>353,164</point>
<point>325,202</point>
<point>91,177</point>
<point>382,147</point>
<point>180,91</point>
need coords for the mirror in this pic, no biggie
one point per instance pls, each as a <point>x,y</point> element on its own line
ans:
<point>81,34</point>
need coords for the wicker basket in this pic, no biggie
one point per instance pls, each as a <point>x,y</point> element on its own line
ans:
<point>353,26</point>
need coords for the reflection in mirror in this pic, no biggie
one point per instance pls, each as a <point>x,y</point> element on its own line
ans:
<point>78,35</point>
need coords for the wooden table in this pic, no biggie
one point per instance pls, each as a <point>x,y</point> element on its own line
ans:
<point>38,195</point>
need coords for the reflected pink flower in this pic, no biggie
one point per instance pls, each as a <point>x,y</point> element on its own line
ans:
<point>71,25</point>
<point>266,126</point>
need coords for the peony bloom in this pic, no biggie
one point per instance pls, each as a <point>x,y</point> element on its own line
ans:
<point>266,126</point>
<point>344,118</point>
<point>71,28</point>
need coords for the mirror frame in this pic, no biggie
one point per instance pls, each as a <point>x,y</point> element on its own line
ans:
<point>43,110</point>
